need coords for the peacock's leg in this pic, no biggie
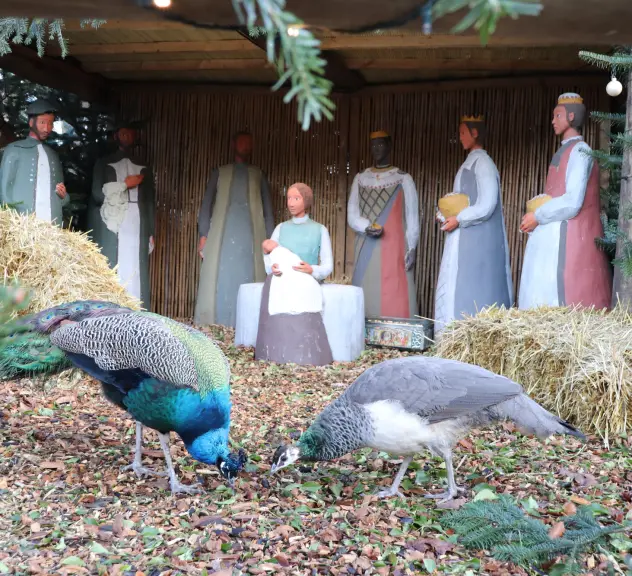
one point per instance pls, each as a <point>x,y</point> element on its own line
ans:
<point>394,489</point>
<point>137,463</point>
<point>453,489</point>
<point>176,486</point>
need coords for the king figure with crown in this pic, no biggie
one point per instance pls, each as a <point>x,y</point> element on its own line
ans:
<point>475,271</point>
<point>563,266</point>
<point>383,210</point>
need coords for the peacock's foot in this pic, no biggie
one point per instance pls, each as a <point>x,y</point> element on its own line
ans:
<point>178,488</point>
<point>389,493</point>
<point>445,496</point>
<point>141,471</point>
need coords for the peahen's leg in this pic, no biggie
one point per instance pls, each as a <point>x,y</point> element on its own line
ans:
<point>137,463</point>
<point>453,489</point>
<point>176,486</point>
<point>394,489</point>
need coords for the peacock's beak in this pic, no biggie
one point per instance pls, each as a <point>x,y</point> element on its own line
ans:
<point>231,482</point>
<point>273,469</point>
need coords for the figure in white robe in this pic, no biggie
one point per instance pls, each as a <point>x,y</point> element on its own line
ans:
<point>475,270</point>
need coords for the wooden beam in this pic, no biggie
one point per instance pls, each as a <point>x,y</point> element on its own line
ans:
<point>179,65</point>
<point>55,73</point>
<point>472,64</point>
<point>336,70</point>
<point>163,47</point>
<point>386,41</point>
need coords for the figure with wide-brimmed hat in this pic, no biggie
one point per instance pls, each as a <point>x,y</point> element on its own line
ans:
<point>31,174</point>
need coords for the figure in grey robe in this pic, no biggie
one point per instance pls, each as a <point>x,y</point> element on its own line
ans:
<point>235,218</point>
<point>122,213</point>
<point>31,174</point>
<point>475,270</point>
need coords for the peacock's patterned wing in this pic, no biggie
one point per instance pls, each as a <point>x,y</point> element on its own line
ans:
<point>158,346</point>
<point>211,365</point>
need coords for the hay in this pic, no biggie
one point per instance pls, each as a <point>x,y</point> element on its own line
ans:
<point>56,264</point>
<point>576,363</point>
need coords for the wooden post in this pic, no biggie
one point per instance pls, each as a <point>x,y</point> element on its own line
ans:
<point>622,289</point>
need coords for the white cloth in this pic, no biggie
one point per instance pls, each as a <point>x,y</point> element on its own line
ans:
<point>488,194</point>
<point>293,292</point>
<point>129,231</point>
<point>114,207</point>
<point>326,258</point>
<point>386,179</point>
<point>42,186</point>
<point>538,280</point>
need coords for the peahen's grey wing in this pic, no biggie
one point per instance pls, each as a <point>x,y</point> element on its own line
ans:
<point>434,388</point>
<point>125,341</point>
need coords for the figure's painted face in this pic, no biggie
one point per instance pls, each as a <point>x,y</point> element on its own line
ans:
<point>561,121</point>
<point>380,149</point>
<point>295,202</point>
<point>243,145</point>
<point>126,137</point>
<point>283,457</point>
<point>466,137</point>
<point>42,125</point>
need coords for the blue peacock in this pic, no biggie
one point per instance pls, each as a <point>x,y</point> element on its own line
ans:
<point>166,375</point>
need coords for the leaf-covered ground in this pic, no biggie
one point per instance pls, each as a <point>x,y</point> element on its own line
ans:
<point>66,508</point>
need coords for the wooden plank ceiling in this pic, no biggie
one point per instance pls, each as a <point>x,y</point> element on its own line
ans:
<point>139,51</point>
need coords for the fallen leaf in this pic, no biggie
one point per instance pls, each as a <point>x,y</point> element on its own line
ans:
<point>52,465</point>
<point>570,509</point>
<point>557,530</point>
<point>579,500</point>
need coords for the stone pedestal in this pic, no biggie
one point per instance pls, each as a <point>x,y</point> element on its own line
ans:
<point>343,316</point>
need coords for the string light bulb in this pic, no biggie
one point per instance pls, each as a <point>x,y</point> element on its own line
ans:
<point>293,31</point>
<point>614,87</point>
<point>162,3</point>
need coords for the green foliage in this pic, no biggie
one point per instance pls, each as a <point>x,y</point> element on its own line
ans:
<point>501,527</point>
<point>485,14</point>
<point>40,30</point>
<point>620,62</point>
<point>296,56</point>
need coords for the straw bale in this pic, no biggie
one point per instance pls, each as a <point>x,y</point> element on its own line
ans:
<point>56,264</point>
<point>575,362</point>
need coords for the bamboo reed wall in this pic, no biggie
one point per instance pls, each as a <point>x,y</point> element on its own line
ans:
<point>188,134</point>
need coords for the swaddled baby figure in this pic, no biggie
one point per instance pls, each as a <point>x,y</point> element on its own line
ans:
<point>291,291</point>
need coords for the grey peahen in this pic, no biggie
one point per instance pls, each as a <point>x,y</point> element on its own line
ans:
<point>166,375</point>
<point>402,406</point>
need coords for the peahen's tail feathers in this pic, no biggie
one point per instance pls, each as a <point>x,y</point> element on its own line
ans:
<point>531,418</point>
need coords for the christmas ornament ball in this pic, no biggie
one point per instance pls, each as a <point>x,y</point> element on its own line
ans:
<point>614,87</point>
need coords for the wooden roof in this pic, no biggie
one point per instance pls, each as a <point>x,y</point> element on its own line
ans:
<point>583,21</point>
<point>146,47</point>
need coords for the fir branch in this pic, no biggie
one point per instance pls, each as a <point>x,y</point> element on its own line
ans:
<point>485,14</point>
<point>40,30</point>
<point>501,527</point>
<point>298,59</point>
<point>607,161</point>
<point>618,62</point>
<point>612,117</point>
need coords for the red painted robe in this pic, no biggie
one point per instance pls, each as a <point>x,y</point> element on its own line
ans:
<point>563,266</point>
<point>389,198</point>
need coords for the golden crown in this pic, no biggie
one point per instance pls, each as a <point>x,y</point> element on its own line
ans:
<point>479,118</point>
<point>379,134</point>
<point>570,98</point>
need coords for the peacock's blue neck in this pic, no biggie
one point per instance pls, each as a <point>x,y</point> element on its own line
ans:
<point>209,447</point>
